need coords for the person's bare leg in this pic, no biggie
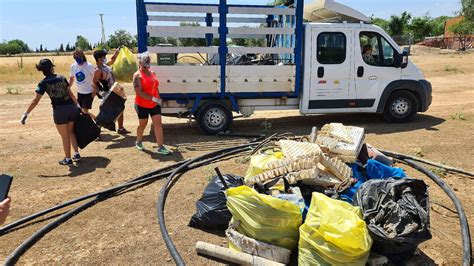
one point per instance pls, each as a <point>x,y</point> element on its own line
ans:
<point>141,128</point>
<point>120,121</point>
<point>158,127</point>
<point>72,136</point>
<point>63,131</point>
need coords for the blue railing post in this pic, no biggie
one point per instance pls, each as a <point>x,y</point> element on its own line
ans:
<point>142,20</point>
<point>223,30</point>
<point>299,46</point>
<point>209,36</point>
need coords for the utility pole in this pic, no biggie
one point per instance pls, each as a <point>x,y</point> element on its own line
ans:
<point>102,26</point>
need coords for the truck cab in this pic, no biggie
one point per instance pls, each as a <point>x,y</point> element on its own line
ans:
<point>357,67</point>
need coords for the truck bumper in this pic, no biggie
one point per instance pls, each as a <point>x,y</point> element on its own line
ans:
<point>426,97</point>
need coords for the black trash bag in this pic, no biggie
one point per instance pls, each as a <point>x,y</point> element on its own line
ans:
<point>397,215</point>
<point>211,208</point>
<point>85,129</point>
<point>110,110</point>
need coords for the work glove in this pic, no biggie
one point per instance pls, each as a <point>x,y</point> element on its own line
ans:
<point>156,100</point>
<point>23,118</point>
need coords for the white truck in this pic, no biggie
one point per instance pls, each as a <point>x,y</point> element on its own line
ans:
<point>335,62</point>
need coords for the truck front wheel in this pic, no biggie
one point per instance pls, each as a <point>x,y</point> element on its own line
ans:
<point>400,107</point>
<point>213,118</point>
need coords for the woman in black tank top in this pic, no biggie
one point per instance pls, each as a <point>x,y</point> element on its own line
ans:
<point>104,79</point>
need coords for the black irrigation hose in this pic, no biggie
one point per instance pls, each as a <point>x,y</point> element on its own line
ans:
<point>106,194</point>
<point>165,189</point>
<point>414,158</point>
<point>466,237</point>
<point>147,177</point>
<point>20,250</point>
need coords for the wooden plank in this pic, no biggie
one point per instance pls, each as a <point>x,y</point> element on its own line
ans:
<point>258,31</point>
<point>177,18</point>
<point>261,10</point>
<point>203,19</point>
<point>177,50</point>
<point>182,8</point>
<point>259,87</point>
<point>261,50</point>
<point>262,71</point>
<point>181,31</point>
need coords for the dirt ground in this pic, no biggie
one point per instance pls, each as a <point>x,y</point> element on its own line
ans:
<point>124,229</point>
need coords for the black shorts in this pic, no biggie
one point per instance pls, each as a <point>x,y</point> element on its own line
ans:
<point>143,112</point>
<point>85,100</point>
<point>64,114</point>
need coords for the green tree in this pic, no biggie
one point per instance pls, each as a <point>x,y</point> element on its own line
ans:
<point>468,9</point>
<point>382,23</point>
<point>438,25</point>
<point>462,30</point>
<point>20,43</point>
<point>421,27</point>
<point>41,48</point>
<point>121,38</point>
<point>10,48</point>
<point>397,25</point>
<point>82,43</point>
<point>68,47</point>
<point>61,48</point>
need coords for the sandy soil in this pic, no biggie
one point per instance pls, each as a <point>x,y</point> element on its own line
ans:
<point>124,229</point>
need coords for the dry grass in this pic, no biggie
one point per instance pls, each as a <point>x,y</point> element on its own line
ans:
<point>12,73</point>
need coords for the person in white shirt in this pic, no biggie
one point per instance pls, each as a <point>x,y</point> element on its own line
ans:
<point>83,72</point>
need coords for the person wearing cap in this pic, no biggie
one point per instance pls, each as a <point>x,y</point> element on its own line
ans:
<point>82,72</point>
<point>147,102</point>
<point>104,79</point>
<point>65,108</point>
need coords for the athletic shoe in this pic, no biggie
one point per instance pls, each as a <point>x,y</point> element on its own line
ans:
<point>66,162</point>
<point>123,131</point>
<point>163,151</point>
<point>139,145</point>
<point>76,157</point>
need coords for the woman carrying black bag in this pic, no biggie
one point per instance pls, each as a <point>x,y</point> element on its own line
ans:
<point>65,108</point>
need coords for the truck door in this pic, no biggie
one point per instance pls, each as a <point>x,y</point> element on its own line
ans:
<point>331,70</point>
<point>374,66</point>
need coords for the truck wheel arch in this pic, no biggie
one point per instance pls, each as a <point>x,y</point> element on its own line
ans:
<point>412,86</point>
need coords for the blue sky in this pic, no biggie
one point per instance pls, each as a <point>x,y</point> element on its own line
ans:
<point>52,22</point>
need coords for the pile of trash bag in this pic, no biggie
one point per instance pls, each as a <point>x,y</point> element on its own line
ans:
<point>328,197</point>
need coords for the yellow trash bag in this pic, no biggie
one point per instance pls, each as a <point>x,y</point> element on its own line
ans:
<point>258,162</point>
<point>264,217</point>
<point>125,65</point>
<point>333,233</point>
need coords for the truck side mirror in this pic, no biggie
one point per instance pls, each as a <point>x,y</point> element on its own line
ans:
<point>401,60</point>
<point>404,61</point>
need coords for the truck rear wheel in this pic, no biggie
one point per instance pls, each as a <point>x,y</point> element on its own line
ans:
<point>400,107</point>
<point>214,117</point>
